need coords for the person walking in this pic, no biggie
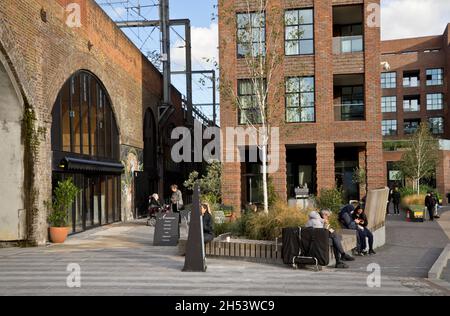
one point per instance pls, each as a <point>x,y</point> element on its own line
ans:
<point>430,204</point>
<point>176,199</point>
<point>396,198</point>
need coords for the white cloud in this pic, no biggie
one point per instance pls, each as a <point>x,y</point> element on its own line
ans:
<point>413,18</point>
<point>205,44</point>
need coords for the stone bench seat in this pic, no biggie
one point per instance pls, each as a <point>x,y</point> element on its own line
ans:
<point>258,251</point>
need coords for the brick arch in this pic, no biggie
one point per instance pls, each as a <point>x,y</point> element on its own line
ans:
<point>13,61</point>
<point>82,62</point>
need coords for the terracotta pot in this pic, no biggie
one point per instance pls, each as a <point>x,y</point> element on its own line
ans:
<point>58,235</point>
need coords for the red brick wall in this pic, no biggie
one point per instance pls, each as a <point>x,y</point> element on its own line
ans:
<point>325,133</point>
<point>43,55</point>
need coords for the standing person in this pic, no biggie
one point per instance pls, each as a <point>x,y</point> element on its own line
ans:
<point>176,199</point>
<point>388,211</point>
<point>361,216</point>
<point>430,203</point>
<point>208,230</point>
<point>396,198</point>
<point>436,206</point>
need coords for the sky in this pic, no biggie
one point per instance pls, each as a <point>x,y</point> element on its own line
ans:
<point>399,19</point>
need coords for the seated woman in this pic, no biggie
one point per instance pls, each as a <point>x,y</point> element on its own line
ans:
<point>208,231</point>
<point>360,216</point>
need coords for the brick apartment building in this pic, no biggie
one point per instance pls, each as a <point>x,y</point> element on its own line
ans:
<point>338,58</point>
<point>95,100</point>
<point>416,90</point>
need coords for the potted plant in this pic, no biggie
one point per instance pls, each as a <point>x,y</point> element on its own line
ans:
<point>64,195</point>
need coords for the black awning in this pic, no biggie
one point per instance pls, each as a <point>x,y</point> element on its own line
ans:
<point>77,164</point>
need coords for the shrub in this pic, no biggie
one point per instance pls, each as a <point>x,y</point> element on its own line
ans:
<point>269,226</point>
<point>64,195</point>
<point>331,199</point>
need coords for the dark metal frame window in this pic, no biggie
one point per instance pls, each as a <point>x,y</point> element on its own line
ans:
<point>411,103</point>
<point>300,100</point>
<point>250,34</point>
<point>389,127</point>
<point>83,119</point>
<point>436,125</point>
<point>388,80</point>
<point>411,79</point>
<point>411,126</point>
<point>299,32</point>
<point>249,111</point>
<point>435,101</point>
<point>352,107</point>
<point>435,77</point>
<point>389,104</point>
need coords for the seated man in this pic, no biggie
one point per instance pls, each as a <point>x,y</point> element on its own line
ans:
<point>348,222</point>
<point>322,220</point>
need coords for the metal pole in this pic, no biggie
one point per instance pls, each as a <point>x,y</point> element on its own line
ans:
<point>165,29</point>
<point>214,98</point>
<point>189,71</point>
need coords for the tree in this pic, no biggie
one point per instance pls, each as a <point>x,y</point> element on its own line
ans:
<point>260,41</point>
<point>420,160</point>
<point>210,184</point>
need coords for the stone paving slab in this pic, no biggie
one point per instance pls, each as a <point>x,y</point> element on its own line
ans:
<point>120,260</point>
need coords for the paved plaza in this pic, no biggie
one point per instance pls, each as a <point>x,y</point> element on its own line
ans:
<point>120,260</point>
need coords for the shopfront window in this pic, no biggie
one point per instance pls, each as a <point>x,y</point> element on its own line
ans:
<point>85,144</point>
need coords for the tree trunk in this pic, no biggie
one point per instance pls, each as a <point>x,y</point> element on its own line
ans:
<point>265,178</point>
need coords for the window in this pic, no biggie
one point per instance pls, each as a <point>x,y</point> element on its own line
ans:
<point>251,34</point>
<point>300,100</point>
<point>389,104</point>
<point>436,125</point>
<point>411,79</point>
<point>435,77</point>
<point>351,107</point>
<point>83,119</point>
<point>411,103</point>
<point>435,101</point>
<point>248,103</point>
<point>411,126</point>
<point>388,80</point>
<point>389,127</point>
<point>299,32</point>
<point>348,38</point>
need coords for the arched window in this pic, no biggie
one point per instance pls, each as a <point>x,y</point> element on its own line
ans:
<point>83,120</point>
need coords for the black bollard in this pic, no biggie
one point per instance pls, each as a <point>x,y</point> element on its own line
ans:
<point>195,247</point>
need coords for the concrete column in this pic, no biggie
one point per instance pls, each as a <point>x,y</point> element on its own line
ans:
<point>326,178</point>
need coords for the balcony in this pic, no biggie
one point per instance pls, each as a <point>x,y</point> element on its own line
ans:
<point>348,30</point>
<point>348,44</point>
<point>349,97</point>
<point>349,112</point>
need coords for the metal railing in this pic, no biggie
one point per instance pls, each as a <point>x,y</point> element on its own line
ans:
<point>348,44</point>
<point>349,112</point>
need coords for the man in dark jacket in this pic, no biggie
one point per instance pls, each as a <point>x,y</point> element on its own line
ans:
<point>396,198</point>
<point>346,219</point>
<point>430,203</point>
<point>360,215</point>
